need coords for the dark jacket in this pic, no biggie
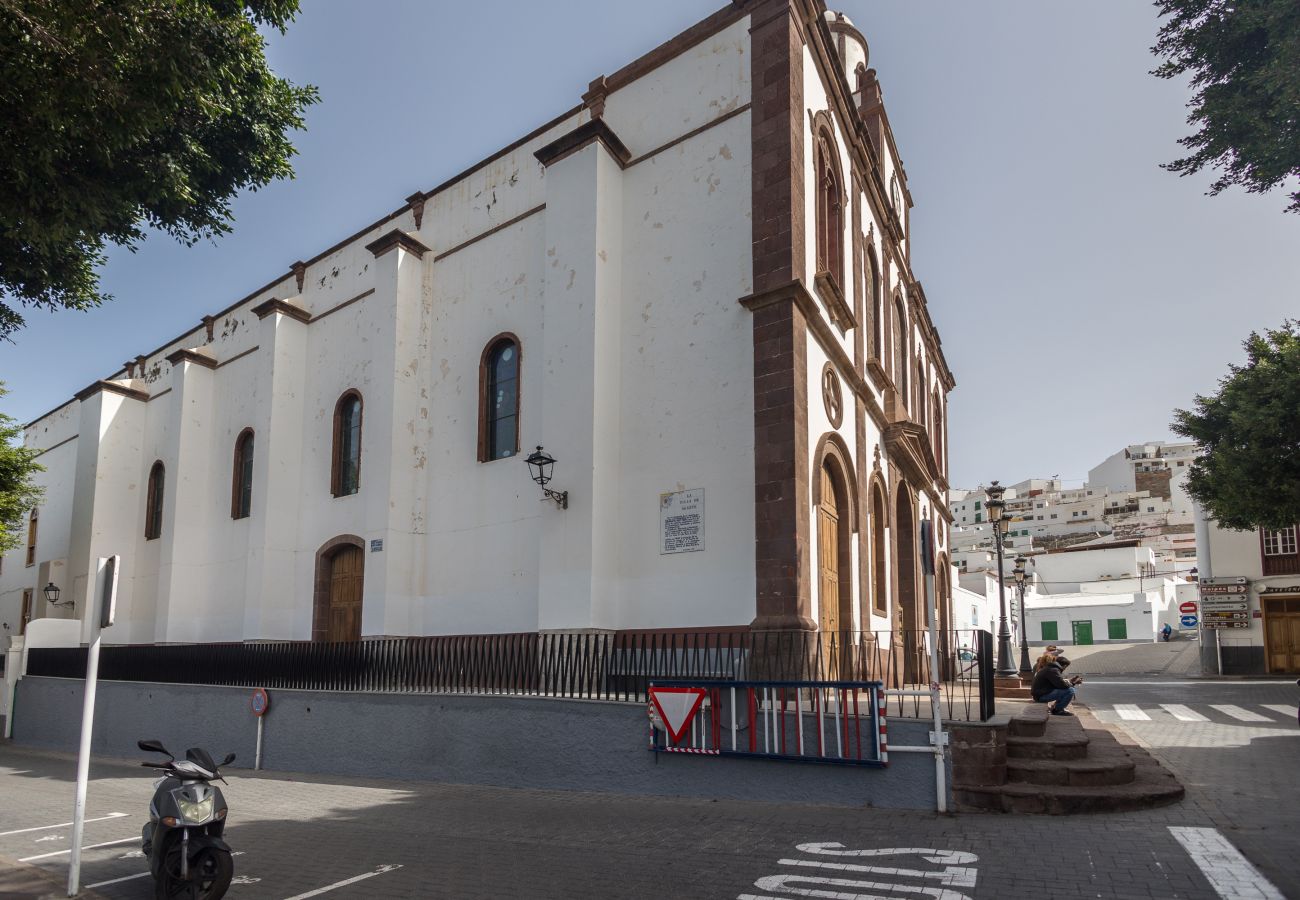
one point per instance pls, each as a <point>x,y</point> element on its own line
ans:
<point>1048,679</point>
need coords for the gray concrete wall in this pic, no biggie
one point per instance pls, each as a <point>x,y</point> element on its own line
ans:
<point>522,742</point>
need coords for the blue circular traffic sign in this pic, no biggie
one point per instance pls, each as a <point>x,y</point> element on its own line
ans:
<point>1189,621</point>
<point>261,702</point>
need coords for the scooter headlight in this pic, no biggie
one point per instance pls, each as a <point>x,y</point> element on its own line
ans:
<point>195,812</point>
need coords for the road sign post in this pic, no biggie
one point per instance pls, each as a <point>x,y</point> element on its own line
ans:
<point>260,703</point>
<point>97,619</point>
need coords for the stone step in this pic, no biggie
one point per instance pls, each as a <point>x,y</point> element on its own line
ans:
<point>1012,693</point>
<point>1030,721</point>
<point>1107,770</point>
<point>1051,799</point>
<point>1047,747</point>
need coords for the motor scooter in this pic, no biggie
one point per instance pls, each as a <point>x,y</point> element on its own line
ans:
<point>187,816</point>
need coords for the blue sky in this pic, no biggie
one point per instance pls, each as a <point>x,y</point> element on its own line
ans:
<point>1081,292</point>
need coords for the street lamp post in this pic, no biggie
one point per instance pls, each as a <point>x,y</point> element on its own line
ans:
<point>1019,573</point>
<point>1000,524</point>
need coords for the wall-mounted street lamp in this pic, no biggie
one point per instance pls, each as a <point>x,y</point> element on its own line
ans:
<point>540,466</point>
<point>51,591</point>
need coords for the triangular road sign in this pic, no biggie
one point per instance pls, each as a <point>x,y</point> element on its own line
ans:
<point>677,706</point>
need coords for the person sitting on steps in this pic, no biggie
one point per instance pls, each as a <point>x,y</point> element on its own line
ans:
<point>1050,686</point>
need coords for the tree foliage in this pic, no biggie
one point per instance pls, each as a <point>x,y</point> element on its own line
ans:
<point>1244,61</point>
<point>1248,473</point>
<point>117,115</point>
<point>18,492</point>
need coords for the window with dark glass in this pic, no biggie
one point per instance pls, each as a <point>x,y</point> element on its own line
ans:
<point>153,511</point>
<point>346,470</point>
<point>900,350</point>
<point>873,304</point>
<point>499,417</point>
<point>241,499</point>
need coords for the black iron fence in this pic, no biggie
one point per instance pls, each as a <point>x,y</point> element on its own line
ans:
<point>596,666</point>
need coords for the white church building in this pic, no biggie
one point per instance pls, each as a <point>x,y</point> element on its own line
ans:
<point>693,290</point>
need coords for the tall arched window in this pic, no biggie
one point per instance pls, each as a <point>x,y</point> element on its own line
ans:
<point>920,393</point>
<point>936,415</point>
<point>879,551</point>
<point>873,306</point>
<point>345,473</point>
<point>241,492</point>
<point>830,210</point>
<point>498,431</point>
<point>900,350</point>
<point>32,522</point>
<point>153,510</point>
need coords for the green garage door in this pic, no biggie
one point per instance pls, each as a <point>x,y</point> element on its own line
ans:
<point>1082,632</point>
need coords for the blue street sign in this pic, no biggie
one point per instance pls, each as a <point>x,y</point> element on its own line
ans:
<point>1189,621</point>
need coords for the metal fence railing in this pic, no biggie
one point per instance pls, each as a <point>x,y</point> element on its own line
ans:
<point>597,666</point>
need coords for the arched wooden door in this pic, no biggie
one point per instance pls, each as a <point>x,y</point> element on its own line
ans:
<point>340,581</point>
<point>835,617</point>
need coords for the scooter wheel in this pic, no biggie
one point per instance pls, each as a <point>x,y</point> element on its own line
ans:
<point>210,874</point>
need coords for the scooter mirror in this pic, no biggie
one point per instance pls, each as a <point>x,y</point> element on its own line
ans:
<point>152,746</point>
<point>230,757</point>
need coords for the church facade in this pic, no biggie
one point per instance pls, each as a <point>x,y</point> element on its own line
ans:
<point>692,289</point>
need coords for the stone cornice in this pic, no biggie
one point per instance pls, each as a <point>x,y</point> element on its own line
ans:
<point>283,307</point>
<point>112,387</point>
<point>197,357</point>
<point>395,239</point>
<point>585,134</point>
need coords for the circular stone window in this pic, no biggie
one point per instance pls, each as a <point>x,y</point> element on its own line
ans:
<point>832,396</point>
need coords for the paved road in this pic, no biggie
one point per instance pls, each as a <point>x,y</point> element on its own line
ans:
<point>301,834</point>
<point>1235,746</point>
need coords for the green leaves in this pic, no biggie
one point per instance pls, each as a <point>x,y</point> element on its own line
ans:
<point>1248,475</point>
<point>1244,61</point>
<point>18,493</point>
<point>116,114</point>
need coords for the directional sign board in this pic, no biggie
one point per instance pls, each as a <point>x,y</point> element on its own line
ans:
<point>1227,604</point>
<point>1214,589</point>
<point>676,706</point>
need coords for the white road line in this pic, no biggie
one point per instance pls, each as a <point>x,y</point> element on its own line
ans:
<point>1228,872</point>
<point>1131,712</point>
<point>116,880</point>
<point>1183,713</point>
<point>1241,715</point>
<point>60,825</point>
<point>87,847</point>
<point>338,884</point>
<point>1284,709</point>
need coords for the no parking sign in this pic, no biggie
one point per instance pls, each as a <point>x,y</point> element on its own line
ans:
<point>261,702</point>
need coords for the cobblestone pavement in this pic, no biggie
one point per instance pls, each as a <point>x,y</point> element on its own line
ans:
<point>1234,745</point>
<point>297,834</point>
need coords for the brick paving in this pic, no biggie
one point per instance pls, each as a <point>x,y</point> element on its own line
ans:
<point>1240,776</point>
<point>300,833</point>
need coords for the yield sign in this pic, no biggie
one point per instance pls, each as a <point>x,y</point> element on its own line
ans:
<point>676,706</point>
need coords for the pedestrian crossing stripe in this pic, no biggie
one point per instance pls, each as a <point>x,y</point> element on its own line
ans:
<point>1132,712</point>
<point>1183,713</point>
<point>1238,713</point>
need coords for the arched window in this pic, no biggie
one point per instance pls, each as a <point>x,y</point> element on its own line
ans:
<point>900,350</point>
<point>879,551</point>
<point>153,510</point>
<point>830,210</point>
<point>936,414</point>
<point>32,522</point>
<point>345,473</point>
<point>241,492</point>
<point>920,393</point>
<point>873,306</point>
<point>498,431</point>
